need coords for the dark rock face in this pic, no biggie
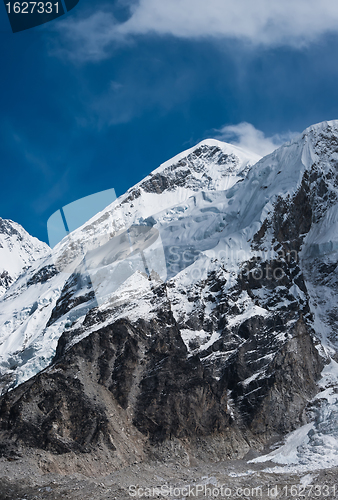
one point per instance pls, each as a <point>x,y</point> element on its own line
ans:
<point>67,301</point>
<point>43,275</point>
<point>141,377</point>
<point>5,279</point>
<point>168,394</point>
<point>292,380</point>
<point>271,396</point>
<point>60,417</point>
<point>7,228</point>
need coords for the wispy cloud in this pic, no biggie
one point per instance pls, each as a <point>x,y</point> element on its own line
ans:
<point>267,22</point>
<point>246,136</point>
<point>88,38</point>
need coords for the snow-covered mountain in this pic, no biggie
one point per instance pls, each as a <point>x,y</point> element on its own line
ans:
<point>17,251</point>
<point>221,325</point>
<point>26,313</point>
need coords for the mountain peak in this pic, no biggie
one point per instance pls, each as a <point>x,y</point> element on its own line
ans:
<point>17,250</point>
<point>328,125</point>
<point>210,165</point>
<point>244,156</point>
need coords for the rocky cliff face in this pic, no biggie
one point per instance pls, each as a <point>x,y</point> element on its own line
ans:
<point>222,353</point>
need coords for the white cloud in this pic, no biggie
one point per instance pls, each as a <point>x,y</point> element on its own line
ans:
<point>246,136</point>
<point>262,21</point>
<point>268,22</point>
<point>86,39</point>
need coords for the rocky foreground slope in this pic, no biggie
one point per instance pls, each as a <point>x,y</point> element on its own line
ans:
<point>212,339</point>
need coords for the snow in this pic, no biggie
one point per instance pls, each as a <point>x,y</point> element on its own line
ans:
<point>247,309</point>
<point>245,157</point>
<point>323,236</point>
<point>241,474</point>
<point>215,177</point>
<point>121,304</point>
<point>329,376</point>
<point>307,479</point>
<point>314,445</point>
<point>253,377</point>
<point>189,335</point>
<point>25,342</point>
<point>18,249</point>
<point>288,453</point>
<point>251,311</point>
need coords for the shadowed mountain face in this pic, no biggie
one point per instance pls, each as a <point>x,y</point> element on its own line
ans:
<point>218,349</point>
<point>121,387</point>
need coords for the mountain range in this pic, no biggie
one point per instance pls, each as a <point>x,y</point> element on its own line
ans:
<point>195,316</point>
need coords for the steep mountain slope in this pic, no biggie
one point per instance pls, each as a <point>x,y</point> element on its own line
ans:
<point>209,334</point>
<point>31,323</point>
<point>17,250</point>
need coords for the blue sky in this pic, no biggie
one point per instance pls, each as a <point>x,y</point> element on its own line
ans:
<point>100,97</point>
